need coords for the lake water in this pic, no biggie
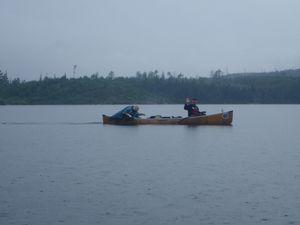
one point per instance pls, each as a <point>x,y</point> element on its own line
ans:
<point>60,165</point>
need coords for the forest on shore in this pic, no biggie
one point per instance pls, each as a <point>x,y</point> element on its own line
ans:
<point>278,87</point>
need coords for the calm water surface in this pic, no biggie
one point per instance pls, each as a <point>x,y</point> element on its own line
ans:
<point>60,165</point>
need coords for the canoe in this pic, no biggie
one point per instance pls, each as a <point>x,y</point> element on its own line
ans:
<point>224,118</point>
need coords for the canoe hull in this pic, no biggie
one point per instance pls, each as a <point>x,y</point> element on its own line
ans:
<point>215,119</point>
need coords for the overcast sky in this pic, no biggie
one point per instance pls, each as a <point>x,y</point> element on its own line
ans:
<point>188,36</point>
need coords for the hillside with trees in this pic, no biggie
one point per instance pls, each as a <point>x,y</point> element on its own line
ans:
<point>280,87</point>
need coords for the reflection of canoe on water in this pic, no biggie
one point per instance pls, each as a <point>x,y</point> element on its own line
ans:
<point>224,118</point>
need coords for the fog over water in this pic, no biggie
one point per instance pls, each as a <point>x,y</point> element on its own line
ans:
<point>192,37</point>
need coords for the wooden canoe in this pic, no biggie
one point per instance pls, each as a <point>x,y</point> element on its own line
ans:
<point>224,118</point>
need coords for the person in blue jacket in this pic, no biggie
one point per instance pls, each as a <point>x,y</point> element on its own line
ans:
<point>128,112</point>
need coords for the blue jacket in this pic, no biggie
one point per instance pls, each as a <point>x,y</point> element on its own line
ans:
<point>127,110</point>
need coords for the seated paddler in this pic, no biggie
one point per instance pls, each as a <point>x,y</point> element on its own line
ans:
<point>192,108</point>
<point>128,112</point>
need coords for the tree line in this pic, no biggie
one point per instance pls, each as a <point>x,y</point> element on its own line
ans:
<point>278,87</point>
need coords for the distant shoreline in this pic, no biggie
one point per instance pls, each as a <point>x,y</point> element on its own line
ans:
<point>279,87</point>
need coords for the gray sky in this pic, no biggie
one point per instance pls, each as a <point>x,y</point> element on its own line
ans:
<point>126,36</point>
